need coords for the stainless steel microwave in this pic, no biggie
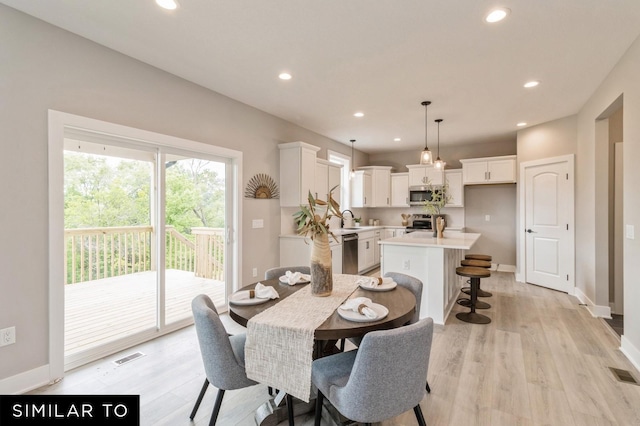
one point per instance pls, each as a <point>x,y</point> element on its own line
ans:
<point>418,195</point>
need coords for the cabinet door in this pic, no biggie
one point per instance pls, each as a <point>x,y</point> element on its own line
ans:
<point>322,180</point>
<point>366,183</point>
<point>334,181</point>
<point>361,189</point>
<point>400,232</point>
<point>389,233</point>
<point>434,176</point>
<point>336,258</point>
<point>475,172</point>
<point>362,255</point>
<point>399,190</point>
<point>376,248</point>
<point>416,176</point>
<point>501,171</point>
<point>381,188</point>
<point>456,190</point>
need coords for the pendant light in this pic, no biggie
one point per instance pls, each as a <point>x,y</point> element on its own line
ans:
<point>353,170</point>
<point>439,164</point>
<point>426,157</point>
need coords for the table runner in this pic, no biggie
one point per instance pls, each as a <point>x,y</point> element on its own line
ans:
<point>279,345</point>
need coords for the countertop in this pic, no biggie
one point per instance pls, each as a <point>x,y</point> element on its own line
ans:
<point>453,240</point>
<point>357,230</point>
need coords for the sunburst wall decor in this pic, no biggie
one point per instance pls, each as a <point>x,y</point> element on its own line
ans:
<point>261,186</point>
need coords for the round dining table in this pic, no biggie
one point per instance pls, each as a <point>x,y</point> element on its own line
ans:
<point>400,302</point>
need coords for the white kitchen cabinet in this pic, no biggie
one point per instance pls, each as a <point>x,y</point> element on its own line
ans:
<point>376,247</point>
<point>297,172</point>
<point>361,188</point>
<point>456,190</point>
<point>366,251</point>
<point>327,177</point>
<point>399,189</point>
<point>423,175</point>
<point>380,185</point>
<point>389,233</point>
<point>489,170</point>
<point>296,251</point>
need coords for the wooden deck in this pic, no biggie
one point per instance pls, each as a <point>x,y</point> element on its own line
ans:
<point>100,311</point>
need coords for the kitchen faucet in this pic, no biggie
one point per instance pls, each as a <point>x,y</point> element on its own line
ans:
<point>351,220</point>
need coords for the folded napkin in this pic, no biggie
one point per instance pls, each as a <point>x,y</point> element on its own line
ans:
<point>293,278</point>
<point>374,281</point>
<point>262,291</point>
<point>360,305</point>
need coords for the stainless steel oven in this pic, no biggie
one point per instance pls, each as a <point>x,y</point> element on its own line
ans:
<point>350,254</point>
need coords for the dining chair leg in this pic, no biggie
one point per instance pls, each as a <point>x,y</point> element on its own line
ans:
<point>216,407</point>
<point>290,409</point>
<point>319,399</point>
<point>199,400</point>
<point>428,388</point>
<point>418,411</point>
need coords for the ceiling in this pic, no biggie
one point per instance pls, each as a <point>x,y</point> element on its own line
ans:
<point>381,57</point>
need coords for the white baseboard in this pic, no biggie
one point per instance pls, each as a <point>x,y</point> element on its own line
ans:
<point>631,352</point>
<point>24,382</point>
<point>598,311</point>
<point>519,277</point>
<point>506,268</point>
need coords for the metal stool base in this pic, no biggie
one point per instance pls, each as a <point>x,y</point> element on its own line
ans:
<point>473,317</point>
<point>481,292</point>
<point>467,303</point>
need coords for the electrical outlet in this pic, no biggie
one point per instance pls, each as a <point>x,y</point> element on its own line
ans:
<point>255,272</point>
<point>7,336</point>
<point>630,232</point>
<point>406,265</point>
<point>487,218</point>
<point>257,223</point>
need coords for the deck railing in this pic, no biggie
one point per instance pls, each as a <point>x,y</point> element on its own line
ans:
<point>95,253</point>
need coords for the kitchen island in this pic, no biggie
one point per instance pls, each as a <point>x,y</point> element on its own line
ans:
<point>434,262</point>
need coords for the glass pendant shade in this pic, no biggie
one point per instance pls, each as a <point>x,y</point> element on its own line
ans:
<point>426,157</point>
<point>439,164</point>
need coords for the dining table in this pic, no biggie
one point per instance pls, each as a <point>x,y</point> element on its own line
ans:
<point>400,303</point>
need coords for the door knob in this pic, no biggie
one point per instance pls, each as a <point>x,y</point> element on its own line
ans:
<point>531,232</point>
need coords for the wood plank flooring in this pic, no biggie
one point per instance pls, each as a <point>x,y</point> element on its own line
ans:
<point>542,361</point>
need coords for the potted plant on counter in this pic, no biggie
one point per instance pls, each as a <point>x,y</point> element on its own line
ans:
<point>439,198</point>
<point>313,220</point>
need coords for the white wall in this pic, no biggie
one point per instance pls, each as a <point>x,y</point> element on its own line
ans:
<point>44,67</point>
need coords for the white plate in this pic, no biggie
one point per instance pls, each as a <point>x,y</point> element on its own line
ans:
<point>242,298</point>
<point>283,279</point>
<point>350,315</point>
<point>380,287</point>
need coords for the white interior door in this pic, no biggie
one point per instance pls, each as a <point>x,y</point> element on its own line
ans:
<point>549,225</point>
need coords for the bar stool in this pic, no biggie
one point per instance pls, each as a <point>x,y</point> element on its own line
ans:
<point>463,301</point>
<point>475,274</point>
<point>482,261</point>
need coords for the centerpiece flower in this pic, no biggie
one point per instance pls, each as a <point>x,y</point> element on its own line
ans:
<point>312,220</point>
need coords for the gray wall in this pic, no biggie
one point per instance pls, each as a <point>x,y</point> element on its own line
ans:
<point>44,67</point>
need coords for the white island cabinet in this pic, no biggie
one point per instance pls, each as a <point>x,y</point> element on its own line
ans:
<point>433,261</point>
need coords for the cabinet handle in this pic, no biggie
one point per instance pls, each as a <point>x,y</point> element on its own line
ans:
<point>367,245</point>
<point>489,175</point>
<point>387,200</point>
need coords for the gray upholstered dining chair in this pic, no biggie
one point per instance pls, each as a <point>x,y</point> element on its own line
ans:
<point>272,273</point>
<point>412,284</point>
<point>382,379</point>
<point>223,355</point>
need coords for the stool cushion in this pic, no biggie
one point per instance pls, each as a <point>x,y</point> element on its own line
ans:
<point>484,257</point>
<point>477,263</point>
<point>473,272</point>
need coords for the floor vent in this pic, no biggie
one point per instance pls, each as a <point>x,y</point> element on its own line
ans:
<point>128,358</point>
<point>624,376</point>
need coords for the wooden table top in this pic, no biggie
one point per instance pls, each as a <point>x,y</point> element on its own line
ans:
<point>400,302</point>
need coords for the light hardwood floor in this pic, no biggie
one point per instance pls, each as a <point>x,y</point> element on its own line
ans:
<point>542,361</point>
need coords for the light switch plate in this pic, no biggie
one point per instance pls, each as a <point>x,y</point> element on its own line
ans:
<point>257,223</point>
<point>487,218</point>
<point>630,232</point>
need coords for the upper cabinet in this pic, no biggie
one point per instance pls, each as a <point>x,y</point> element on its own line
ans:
<point>456,191</point>
<point>361,188</point>
<point>380,185</point>
<point>423,175</point>
<point>297,172</point>
<point>399,189</point>
<point>327,177</point>
<point>489,170</point>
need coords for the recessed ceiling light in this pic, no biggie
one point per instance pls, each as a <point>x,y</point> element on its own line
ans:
<point>359,114</point>
<point>397,139</point>
<point>521,124</point>
<point>167,4</point>
<point>497,15</point>
<point>285,76</point>
<point>532,83</point>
